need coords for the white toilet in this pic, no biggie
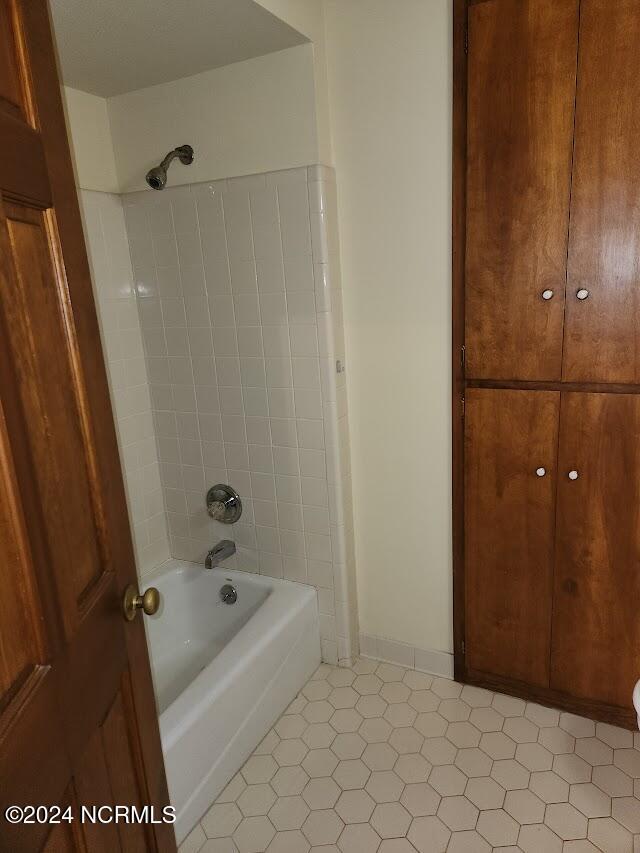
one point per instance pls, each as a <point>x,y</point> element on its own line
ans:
<point>636,700</point>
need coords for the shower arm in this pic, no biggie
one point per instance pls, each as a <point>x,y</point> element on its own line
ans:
<point>184,152</point>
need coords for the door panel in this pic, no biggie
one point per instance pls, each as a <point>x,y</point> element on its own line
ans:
<point>35,323</point>
<point>596,630</point>
<point>22,647</point>
<point>122,770</point>
<point>521,92</point>
<point>32,752</point>
<point>509,512</point>
<point>75,726</point>
<point>602,334</point>
<point>92,789</point>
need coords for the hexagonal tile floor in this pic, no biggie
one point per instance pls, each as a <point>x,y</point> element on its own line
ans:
<point>382,759</point>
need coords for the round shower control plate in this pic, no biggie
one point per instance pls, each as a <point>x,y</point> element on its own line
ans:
<point>224,504</point>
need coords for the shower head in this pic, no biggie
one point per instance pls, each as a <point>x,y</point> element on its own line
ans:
<point>157,177</point>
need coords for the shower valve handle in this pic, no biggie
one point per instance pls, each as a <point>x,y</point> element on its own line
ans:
<point>224,504</point>
<point>218,509</point>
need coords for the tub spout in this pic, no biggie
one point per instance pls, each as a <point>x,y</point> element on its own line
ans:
<point>219,553</point>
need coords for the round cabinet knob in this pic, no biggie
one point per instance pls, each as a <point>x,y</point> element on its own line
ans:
<point>541,472</point>
<point>547,294</point>
<point>573,475</point>
<point>582,293</point>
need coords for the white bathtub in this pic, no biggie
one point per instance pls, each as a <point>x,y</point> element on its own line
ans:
<point>223,673</point>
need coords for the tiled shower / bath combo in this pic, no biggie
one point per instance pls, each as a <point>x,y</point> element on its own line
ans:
<point>238,291</point>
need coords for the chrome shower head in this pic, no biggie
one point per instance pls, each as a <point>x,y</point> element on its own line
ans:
<point>157,177</point>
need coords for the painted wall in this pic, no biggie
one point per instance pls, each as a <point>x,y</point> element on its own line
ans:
<point>249,117</point>
<point>90,137</point>
<point>390,93</point>
<point>307,16</point>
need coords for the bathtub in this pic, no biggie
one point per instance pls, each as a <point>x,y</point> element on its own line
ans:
<point>223,673</point>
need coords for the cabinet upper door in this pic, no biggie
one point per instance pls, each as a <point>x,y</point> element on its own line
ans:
<point>596,624</point>
<point>602,332</point>
<point>511,442</point>
<point>521,97</point>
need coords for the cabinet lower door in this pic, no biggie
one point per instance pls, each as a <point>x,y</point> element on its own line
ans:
<point>511,440</point>
<point>596,608</point>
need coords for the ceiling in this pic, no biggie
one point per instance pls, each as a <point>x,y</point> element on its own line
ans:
<point>108,48</point>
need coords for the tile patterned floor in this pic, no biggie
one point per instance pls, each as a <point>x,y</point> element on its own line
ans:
<point>381,759</point>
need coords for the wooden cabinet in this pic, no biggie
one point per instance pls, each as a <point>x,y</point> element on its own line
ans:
<point>522,77</point>
<point>511,440</point>
<point>553,191</point>
<point>552,541</point>
<point>602,331</point>
<point>547,350</point>
<point>596,624</point>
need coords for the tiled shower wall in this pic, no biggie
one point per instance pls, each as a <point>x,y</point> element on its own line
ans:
<point>108,251</point>
<point>239,298</point>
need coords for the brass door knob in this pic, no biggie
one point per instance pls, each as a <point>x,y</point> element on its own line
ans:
<point>149,601</point>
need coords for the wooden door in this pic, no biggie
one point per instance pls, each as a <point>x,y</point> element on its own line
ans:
<point>596,629</point>
<point>602,334</point>
<point>520,93</point>
<point>78,723</point>
<point>511,439</point>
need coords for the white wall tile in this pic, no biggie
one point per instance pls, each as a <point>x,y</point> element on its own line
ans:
<point>310,434</point>
<point>266,225</point>
<point>290,516</point>
<point>308,403</point>
<point>283,432</point>
<point>249,342</point>
<point>243,276</point>
<point>301,308</point>
<point>225,342</point>
<point>293,202</point>
<point>238,225</point>
<point>288,489</point>
<point>279,372</point>
<point>246,309</point>
<point>255,402</point>
<point>230,400</point>
<point>270,275</point>
<point>304,341</point>
<point>285,460</point>
<point>313,463</point>
<point>273,309</point>
<point>276,341</point>
<point>306,373</point>
<point>222,311</point>
<point>298,273</point>
<point>281,402</point>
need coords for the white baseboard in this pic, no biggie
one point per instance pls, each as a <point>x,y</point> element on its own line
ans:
<point>426,660</point>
